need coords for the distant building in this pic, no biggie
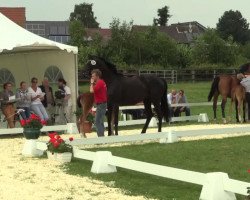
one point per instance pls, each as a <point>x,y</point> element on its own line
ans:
<point>182,33</point>
<point>16,14</point>
<point>54,30</point>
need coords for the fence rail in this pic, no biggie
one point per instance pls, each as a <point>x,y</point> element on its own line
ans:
<point>174,76</point>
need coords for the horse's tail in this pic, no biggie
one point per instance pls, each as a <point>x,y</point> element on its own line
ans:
<point>79,101</point>
<point>214,87</point>
<point>164,102</point>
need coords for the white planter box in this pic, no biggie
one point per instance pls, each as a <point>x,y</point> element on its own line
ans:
<point>64,157</point>
<point>51,156</point>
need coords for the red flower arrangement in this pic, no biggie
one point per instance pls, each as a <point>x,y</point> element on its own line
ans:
<point>33,122</point>
<point>57,145</point>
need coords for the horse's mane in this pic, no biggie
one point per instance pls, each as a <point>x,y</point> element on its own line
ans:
<point>244,68</point>
<point>110,65</point>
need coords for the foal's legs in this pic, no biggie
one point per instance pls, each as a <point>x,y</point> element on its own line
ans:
<point>149,114</point>
<point>223,104</point>
<point>236,110</point>
<point>159,115</point>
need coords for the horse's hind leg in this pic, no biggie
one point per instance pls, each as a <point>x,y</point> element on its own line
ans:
<point>116,114</point>
<point>215,99</point>
<point>149,114</point>
<point>223,105</point>
<point>159,115</point>
<point>236,111</point>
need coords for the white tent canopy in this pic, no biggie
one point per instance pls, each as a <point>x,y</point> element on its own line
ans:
<point>24,55</point>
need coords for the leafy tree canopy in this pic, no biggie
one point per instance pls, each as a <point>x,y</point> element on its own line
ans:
<point>163,16</point>
<point>233,24</point>
<point>84,13</point>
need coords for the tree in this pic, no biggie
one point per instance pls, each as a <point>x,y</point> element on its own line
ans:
<point>233,24</point>
<point>77,33</point>
<point>163,14</point>
<point>83,12</point>
<point>212,49</point>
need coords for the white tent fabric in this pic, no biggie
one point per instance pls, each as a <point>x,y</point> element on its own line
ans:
<point>22,40</point>
<point>25,55</point>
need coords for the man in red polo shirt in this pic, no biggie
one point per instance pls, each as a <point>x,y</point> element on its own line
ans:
<point>99,88</point>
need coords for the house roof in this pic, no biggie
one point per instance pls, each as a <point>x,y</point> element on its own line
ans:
<point>16,14</point>
<point>180,32</point>
<point>17,39</point>
<point>104,33</point>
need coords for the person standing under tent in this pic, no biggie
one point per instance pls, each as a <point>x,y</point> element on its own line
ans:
<point>67,102</point>
<point>48,100</point>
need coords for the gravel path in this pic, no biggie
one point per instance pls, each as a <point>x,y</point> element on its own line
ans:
<point>24,178</point>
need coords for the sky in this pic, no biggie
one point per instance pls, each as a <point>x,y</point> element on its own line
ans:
<point>142,12</point>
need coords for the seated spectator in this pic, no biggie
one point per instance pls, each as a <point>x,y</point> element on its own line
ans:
<point>181,98</point>
<point>25,100</point>
<point>172,99</point>
<point>36,97</point>
<point>7,104</point>
<point>136,113</point>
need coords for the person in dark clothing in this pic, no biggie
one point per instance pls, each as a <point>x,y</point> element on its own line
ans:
<point>48,101</point>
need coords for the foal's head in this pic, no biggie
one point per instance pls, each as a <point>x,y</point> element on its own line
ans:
<point>104,66</point>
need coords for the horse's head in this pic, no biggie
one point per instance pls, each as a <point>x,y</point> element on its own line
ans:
<point>96,62</point>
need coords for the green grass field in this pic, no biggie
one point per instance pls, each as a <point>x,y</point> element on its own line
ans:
<point>229,155</point>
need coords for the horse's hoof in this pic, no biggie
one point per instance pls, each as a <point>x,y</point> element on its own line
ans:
<point>224,121</point>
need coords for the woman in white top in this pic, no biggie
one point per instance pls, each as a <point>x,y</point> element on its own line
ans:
<point>36,96</point>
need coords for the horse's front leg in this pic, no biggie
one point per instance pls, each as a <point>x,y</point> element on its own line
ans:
<point>149,114</point>
<point>110,112</point>
<point>116,115</point>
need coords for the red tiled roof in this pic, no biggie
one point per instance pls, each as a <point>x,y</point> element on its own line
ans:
<point>105,33</point>
<point>16,14</point>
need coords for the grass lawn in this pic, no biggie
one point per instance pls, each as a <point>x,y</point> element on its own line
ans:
<point>229,155</point>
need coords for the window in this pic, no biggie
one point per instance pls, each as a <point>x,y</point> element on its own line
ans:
<point>53,30</point>
<point>53,73</point>
<point>6,76</point>
<point>61,30</point>
<point>38,29</point>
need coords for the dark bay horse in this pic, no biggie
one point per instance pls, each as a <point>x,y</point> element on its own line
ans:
<point>122,91</point>
<point>228,87</point>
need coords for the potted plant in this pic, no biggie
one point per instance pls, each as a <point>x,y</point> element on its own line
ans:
<point>32,126</point>
<point>87,126</point>
<point>58,149</point>
<point>88,123</point>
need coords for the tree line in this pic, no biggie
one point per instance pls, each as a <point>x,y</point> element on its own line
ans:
<point>227,45</point>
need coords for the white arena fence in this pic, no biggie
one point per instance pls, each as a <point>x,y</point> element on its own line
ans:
<point>72,128</point>
<point>215,186</point>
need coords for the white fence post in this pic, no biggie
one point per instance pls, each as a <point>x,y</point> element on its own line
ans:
<point>203,117</point>
<point>213,187</point>
<point>153,122</point>
<point>100,164</point>
<point>72,128</point>
<point>172,137</point>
